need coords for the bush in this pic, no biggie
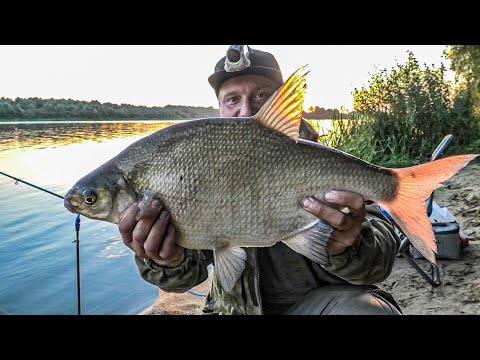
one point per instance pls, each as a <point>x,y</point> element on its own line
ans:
<point>403,115</point>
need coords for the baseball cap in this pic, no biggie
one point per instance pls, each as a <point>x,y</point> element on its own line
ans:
<point>261,63</point>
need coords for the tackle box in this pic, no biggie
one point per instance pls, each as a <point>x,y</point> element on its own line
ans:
<point>449,244</point>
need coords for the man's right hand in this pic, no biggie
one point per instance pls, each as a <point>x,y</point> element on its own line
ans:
<point>152,236</point>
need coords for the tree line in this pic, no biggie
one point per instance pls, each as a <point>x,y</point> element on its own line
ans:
<point>60,109</point>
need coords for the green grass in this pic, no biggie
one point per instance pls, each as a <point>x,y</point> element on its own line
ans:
<point>358,137</point>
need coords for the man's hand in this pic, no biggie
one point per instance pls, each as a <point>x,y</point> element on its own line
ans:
<point>346,225</point>
<point>152,236</point>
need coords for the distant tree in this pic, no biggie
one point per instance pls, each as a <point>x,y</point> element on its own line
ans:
<point>36,108</point>
<point>465,61</point>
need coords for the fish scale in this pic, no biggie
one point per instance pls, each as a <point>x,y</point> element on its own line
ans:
<point>229,197</point>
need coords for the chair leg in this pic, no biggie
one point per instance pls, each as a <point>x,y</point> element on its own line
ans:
<point>403,251</point>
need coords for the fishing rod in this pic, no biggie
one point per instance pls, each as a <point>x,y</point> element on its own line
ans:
<point>77,230</point>
<point>35,186</point>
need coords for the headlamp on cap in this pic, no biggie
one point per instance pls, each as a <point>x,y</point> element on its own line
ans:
<point>243,60</point>
<point>237,58</point>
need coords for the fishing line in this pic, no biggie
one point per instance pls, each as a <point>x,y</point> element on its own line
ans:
<point>4,312</point>
<point>77,230</point>
<point>77,241</point>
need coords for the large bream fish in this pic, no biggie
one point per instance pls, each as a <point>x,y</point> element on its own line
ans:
<point>230,183</point>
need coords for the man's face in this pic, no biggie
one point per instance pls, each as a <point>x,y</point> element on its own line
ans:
<point>243,96</point>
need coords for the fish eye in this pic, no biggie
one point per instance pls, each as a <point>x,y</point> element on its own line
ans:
<point>89,196</point>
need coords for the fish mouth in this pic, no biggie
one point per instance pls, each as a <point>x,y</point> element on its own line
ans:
<point>68,203</point>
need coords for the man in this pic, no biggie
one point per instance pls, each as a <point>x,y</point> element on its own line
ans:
<point>276,280</point>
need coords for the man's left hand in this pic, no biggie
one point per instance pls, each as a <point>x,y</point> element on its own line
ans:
<point>346,224</point>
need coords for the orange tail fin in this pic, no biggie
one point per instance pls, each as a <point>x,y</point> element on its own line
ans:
<point>415,185</point>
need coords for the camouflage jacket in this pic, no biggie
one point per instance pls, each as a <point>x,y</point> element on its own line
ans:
<point>369,260</point>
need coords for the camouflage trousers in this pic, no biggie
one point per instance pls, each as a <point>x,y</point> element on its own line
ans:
<point>345,300</point>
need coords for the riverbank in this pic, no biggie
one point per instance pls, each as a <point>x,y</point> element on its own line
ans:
<point>189,303</point>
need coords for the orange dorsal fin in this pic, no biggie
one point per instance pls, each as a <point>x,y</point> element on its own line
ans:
<point>283,111</point>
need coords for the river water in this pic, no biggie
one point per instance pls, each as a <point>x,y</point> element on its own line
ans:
<point>37,248</point>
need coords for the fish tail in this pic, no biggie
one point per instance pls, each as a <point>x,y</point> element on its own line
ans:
<point>408,209</point>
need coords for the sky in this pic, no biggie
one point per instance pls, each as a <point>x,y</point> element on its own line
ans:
<point>159,75</point>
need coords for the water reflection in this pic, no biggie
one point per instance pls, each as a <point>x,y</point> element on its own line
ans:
<point>60,154</point>
<point>48,135</point>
